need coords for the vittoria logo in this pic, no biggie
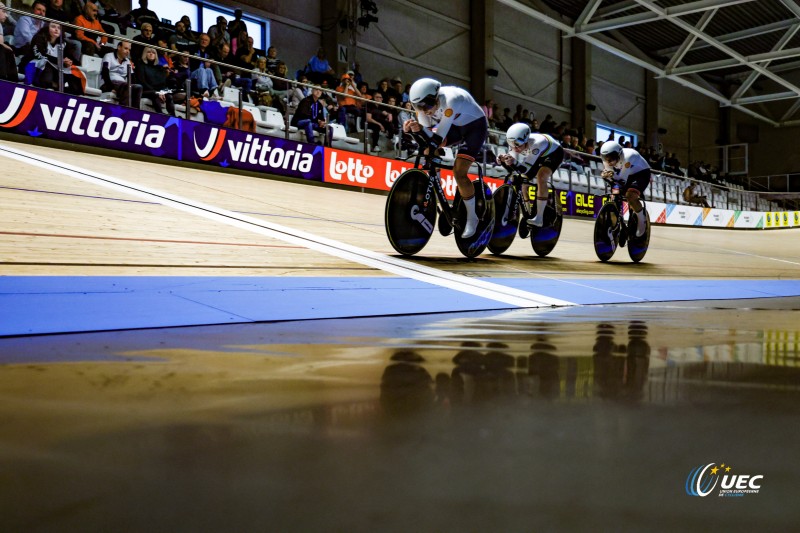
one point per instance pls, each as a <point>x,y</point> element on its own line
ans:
<point>213,146</point>
<point>255,151</point>
<point>19,107</point>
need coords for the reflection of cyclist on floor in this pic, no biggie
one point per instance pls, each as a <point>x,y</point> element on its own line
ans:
<point>533,154</point>
<point>627,171</point>
<point>457,118</point>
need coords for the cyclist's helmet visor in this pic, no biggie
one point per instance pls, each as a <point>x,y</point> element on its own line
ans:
<point>427,103</point>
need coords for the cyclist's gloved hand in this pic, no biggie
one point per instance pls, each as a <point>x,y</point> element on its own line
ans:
<point>434,142</point>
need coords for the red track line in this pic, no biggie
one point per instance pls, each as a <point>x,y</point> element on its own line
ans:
<point>147,240</point>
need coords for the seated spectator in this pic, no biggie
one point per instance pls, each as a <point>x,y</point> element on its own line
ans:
<point>281,87</point>
<point>202,73</point>
<point>91,42</point>
<point>227,74</point>
<point>310,115</point>
<point>691,198</point>
<point>139,16</point>
<point>272,60</point>
<point>235,27</point>
<point>44,55</point>
<point>27,27</point>
<point>187,23</point>
<point>590,146</point>
<point>178,76</point>
<point>115,75</point>
<point>153,78</point>
<point>407,143</point>
<point>57,12</point>
<point>8,63</point>
<point>299,92</point>
<point>143,40</point>
<point>318,69</point>
<point>384,89</point>
<point>246,53</point>
<point>347,104</point>
<point>219,33</point>
<point>672,164</point>
<point>182,40</point>
<point>262,84</point>
<point>379,120</point>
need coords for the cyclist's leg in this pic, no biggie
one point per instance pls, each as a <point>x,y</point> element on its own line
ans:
<point>635,186</point>
<point>546,166</point>
<point>473,135</point>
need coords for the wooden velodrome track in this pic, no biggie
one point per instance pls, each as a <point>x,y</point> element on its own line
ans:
<point>585,417</point>
<point>52,224</point>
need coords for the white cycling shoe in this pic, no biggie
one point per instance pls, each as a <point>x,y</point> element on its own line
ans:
<point>536,221</point>
<point>472,219</point>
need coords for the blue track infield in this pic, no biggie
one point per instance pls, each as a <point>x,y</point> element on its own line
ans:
<point>40,305</point>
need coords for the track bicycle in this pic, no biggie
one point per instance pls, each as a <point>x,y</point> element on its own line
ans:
<point>611,231</point>
<point>510,204</point>
<point>417,195</point>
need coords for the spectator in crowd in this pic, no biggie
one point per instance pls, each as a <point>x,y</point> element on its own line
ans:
<point>299,92</point>
<point>57,12</point>
<point>347,104</point>
<point>10,21</point>
<point>548,125</point>
<point>227,74</point>
<point>202,73</point>
<point>27,27</point>
<point>379,120</point>
<point>281,87</point>
<point>672,164</point>
<point>8,63</point>
<point>115,75</point>
<point>139,16</point>
<point>318,68</point>
<point>180,73</point>
<point>397,90</point>
<point>488,110</point>
<point>246,53</point>
<point>143,40</point>
<point>153,78</point>
<point>219,33</point>
<point>262,83</point>
<point>44,54</point>
<point>272,60</point>
<point>356,75</point>
<point>331,107</point>
<point>92,43</point>
<point>574,143</point>
<point>407,143</point>
<point>236,27</point>
<point>690,196</point>
<point>187,23</point>
<point>181,40</point>
<point>164,57</point>
<point>384,89</point>
<point>590,146</point>
<point>310,115</point>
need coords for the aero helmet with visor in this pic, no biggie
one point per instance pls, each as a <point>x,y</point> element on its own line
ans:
<point>424,93</point>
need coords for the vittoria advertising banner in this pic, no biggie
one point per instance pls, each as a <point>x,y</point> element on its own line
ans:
<point>52,115</point>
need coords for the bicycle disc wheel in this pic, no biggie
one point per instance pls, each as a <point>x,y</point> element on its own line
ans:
<point>410,213</point>
<point>506,219</point>
<point>544,239</point>
<point>604,246</point>
<point>637,246</point>
<point>475,245</point>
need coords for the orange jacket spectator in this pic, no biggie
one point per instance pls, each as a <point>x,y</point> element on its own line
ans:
<point>94,24</point>
<point>232,119</point>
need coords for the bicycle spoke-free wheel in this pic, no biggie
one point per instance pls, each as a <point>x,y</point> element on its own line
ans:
<point>410,213</point>
<point>544,239</point>
<point>506,219</point>
<point>475,245</point>
<point>604,244</point>
<point>637,246</point>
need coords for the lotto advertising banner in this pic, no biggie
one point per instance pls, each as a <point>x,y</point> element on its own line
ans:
<point>52,115</point>
<point>372,172</point>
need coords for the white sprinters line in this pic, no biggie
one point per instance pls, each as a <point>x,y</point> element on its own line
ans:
<point>483,289</point>
<point>762,257</point>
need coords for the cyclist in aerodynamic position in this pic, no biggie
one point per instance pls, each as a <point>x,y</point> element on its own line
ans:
<point>626,170</point>
<point>447,116</point>
<point>533,154</point>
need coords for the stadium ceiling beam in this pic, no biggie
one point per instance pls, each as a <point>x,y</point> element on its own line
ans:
<point>749,61</point>
<point>588,12</point>
<point>719,46</point>
<point>734,36</point>
<point>782,42</point>
<point>651,16</point>
<point>604,44</point>
<point>690,40</point>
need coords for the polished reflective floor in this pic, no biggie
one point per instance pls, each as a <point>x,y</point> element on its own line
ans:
<point>586,418</point>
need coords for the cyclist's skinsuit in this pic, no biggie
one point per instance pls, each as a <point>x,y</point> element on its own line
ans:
<point>634,173</point>
<point>458,119</point>
<point>540,150</point>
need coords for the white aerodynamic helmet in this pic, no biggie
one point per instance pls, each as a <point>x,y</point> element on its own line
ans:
<point>611,152</point>
<point>424,93</point>
<point>518,134</point>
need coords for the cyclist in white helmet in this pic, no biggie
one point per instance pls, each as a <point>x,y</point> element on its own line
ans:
<point>457,118</point>
<point>625,169</point>
<point>533,154</point>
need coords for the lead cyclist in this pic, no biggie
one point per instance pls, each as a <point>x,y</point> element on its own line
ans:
<point>625,169</point>
<point>448,116</point>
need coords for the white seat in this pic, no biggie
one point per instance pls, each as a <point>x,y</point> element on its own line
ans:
<point>338,133</point>
<point>91,67</point>
<point>130,33</point>
<point>580,182</point>
<point>561,179</point>
<point>597,185</point>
